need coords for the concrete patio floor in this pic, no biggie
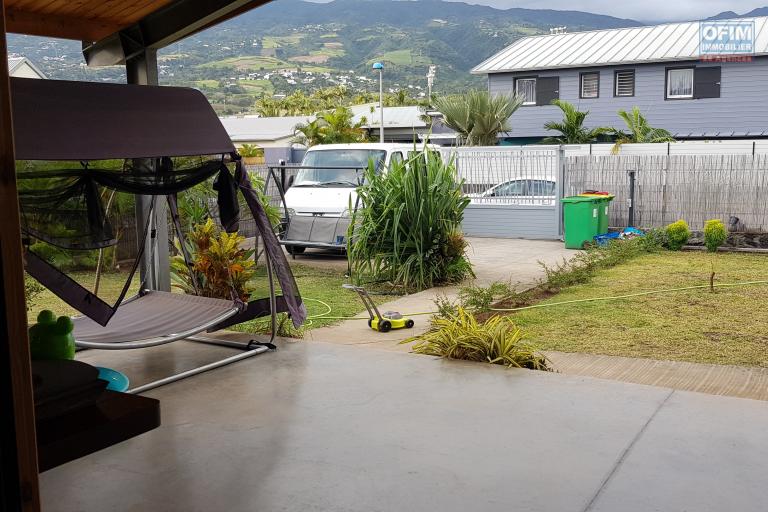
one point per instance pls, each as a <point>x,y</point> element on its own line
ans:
<point>323,427</point>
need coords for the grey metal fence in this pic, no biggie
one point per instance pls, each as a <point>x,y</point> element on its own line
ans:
<point>671,187</point>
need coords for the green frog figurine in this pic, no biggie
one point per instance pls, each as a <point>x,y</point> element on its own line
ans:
<point>52,338</point>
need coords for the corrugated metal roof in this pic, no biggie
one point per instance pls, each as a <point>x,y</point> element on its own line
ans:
<point>15,62</point>
<point>658,43</point>
<point>253,128</point>
<point>394,117</point>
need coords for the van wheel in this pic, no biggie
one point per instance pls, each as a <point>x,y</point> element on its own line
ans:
<point>295,249</point>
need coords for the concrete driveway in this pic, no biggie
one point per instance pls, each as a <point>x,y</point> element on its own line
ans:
<point>513,261</point>
<point>323,427</point>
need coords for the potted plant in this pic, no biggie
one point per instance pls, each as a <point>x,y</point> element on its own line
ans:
<point>252,154</point>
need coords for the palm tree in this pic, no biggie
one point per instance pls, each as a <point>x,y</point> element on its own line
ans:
<point>307,134</point>
<point>639,131</point>
<point>333,127</point>
<point>269,107</point>
<point>477,116</point>
<point>571,128</point>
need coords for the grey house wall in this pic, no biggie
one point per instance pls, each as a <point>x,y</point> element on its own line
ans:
<point>741,108</point>
<point>273,155</point>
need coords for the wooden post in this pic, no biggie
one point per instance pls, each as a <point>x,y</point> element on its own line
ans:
<point>18,445</point>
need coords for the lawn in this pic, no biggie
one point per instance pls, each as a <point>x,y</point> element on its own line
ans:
<point>257,87</point>
<point>251,62</point>
<point>280,41</point>
<point>314,284</point>
<point>729,326</point>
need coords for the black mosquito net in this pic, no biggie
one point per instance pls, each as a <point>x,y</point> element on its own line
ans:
<point>65,207</point>
<point>153,141</point>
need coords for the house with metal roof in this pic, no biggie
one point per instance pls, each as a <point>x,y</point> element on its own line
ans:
<point>696,79</point>
<point>403,124</point>
<point>22,67</point>
<point>273,134</point>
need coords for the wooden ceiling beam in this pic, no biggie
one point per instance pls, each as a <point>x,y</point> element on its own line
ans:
<point>65,27</point>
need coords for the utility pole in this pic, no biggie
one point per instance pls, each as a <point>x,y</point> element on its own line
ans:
<point>430,83</point>
<point>380,68</point>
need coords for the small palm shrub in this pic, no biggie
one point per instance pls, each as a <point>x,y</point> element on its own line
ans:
<point>219,264</point>
<point>714,236</point>
<point>497,341</point>
<point>407,230</point>
<point>678,234</point>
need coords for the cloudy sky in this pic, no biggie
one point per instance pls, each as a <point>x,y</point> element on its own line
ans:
<point>643,10</point>
<point>639,10</point>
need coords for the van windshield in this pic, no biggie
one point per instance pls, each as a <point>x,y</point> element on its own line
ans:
<point>331,158</point>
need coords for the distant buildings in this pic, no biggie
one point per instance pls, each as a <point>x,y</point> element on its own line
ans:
<point>672,72</point>
<point>275,134</point>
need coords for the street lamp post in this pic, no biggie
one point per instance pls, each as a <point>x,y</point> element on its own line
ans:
<point>378,66</point>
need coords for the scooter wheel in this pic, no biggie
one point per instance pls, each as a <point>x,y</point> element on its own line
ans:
<point>385,326</point>
<point>409,323</point>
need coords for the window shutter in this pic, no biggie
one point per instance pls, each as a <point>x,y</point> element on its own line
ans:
<point>590,85</point>
<point>624,83</point>
<point>547,89</point>
<point>707,82</point>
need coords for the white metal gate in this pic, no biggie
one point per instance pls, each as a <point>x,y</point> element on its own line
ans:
<point>514,191</point>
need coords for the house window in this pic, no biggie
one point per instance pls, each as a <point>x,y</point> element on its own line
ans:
<point>624,83</point>
<point>590,85</point>
<point>680,83</point>
<point>526,88</point>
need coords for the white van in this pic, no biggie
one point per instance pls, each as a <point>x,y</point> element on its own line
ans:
<point>318,197</point>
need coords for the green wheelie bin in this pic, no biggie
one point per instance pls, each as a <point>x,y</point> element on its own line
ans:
<point>581,220</point>
<point>602,212</point>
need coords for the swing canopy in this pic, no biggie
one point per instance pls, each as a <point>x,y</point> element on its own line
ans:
<point>142,140</point>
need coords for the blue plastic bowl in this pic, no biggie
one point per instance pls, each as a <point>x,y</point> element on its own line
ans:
<point>117,381</point>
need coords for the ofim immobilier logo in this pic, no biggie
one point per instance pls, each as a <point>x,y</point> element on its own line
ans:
<point>731,40</point>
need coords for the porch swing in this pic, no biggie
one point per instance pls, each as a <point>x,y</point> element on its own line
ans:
<point>156,131</point>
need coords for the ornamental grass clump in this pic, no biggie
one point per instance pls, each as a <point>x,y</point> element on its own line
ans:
<point>407,229</point>
<point>497,341</point>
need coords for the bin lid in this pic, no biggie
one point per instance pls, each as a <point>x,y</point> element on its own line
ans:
<point>582,199</point>
<point>604,197</point>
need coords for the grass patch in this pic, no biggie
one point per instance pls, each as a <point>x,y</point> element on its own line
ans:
<point>207,84</point>
<point>257,87</point>
<point>109,289</point>
<point>314,283</point>
<point>251,62</point>
<point>728,326</point>
<point>280,41</point>
<point>318,284</point>
<point>401,58</point>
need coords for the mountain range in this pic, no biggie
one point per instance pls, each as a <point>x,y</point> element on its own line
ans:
<point>287,45</point>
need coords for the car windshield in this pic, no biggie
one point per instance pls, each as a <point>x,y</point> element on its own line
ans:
<point>331,158</point>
